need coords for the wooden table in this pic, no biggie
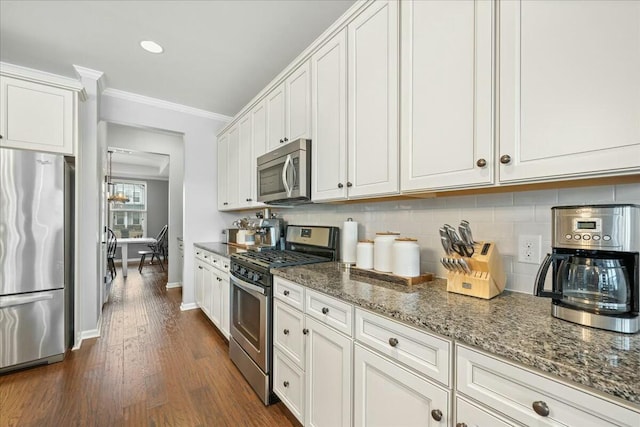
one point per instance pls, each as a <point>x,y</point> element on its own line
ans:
<point>124,244</point>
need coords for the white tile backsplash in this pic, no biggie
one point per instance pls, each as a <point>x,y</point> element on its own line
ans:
<point>498,217</point>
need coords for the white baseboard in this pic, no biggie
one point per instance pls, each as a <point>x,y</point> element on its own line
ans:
<point>88,334</point>
<point>174,285</point>
<point>190,306</point>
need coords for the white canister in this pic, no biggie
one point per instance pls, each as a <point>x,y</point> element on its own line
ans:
<point>383,251</point>
<point>364,254</point>
<point>406,257</point>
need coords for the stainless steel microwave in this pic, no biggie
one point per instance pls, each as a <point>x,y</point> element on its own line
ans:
<point>284,174</point>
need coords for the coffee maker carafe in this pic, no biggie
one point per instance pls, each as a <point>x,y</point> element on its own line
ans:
<point>595,266</point>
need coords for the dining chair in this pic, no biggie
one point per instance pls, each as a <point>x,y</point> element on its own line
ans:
<point>112,245</point>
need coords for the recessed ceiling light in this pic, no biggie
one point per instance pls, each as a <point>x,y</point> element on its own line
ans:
<point>151,46</point>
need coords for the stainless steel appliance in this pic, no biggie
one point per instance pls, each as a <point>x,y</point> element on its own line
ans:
<point>284,174</point>
<point>36,194</point>
<point>595,266</point>
<point>250,346</point>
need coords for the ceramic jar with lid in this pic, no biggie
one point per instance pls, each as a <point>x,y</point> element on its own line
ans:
<point>383,251</point>
<point>406,257</point>
<point>364,254</point>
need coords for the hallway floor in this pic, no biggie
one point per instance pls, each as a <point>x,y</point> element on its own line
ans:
<point>153,365</point>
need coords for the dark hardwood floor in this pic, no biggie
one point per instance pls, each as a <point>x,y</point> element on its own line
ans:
<point>153,365</point>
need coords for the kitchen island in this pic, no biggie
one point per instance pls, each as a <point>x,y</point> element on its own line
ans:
<point>516,327</point>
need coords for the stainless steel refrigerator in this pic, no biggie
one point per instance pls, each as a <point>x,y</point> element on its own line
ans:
<point>36,253</point>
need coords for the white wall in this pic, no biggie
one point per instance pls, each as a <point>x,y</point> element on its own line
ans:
<point>497,217</point>
<point>201,219</point>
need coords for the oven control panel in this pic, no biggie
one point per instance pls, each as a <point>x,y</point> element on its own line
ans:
<point>248,274</point>
<point>604,227</point>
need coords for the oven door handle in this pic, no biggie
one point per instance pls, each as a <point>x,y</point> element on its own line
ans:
<point>247,286</point>
<point>285,182</point>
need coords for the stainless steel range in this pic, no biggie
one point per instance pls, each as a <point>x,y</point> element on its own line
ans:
<point>250,346</point>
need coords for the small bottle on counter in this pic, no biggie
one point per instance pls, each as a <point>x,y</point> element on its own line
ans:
<point>364,254</point>
<point>406,257</point>
<point>383,251</point>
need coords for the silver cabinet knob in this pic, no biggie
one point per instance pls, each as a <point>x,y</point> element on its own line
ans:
<point>481,163</point>
<point>286,383</point>
<point>436,414</point>
<point>541,408</point>
<point>340,185</point>
<point>286,332</point>
<point>461,424</point>
<point>200,267</point>
<point>325,310</point>
<point>393,342</point>
<point>249,199</point>
<point>286,139</point>
<point>225,203</point>
<point>349,184</point>
<point>281,141</point>
<point>505,159</point>
<point>305,331</point>
<point>286,293</point>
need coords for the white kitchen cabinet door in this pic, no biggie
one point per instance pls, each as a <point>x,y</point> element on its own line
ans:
<point>288,384</point>
<point>569,89</point>
<point>225,303</point>
<point>288,337</point>
<point>215,313</point>
<point>373,101</point>
<point>38,117</point>
<point>471,414</point>
<point>233,170</point>
<point>259,144</point>
<point>329,123</point>
<point>328,376</point>
<point>447,94</point>
<point>298,103</point>
<point>245,156</point>
<point>223,150</point>
<point>275,107</point>
<point>198,272</point>
<point>387,395</point>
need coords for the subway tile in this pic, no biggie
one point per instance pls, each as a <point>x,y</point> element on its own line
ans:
<point>586,195</point>
<point>500,199</point>
<point>627,193</point>
<point>514,214</point>
<point>526,269</point>
<point>537,228</point>
<point>520,283</point>
<point>448,216</point>
<point>463,202</point>
<point>484,214</point>
<point>493,231</point>
<point>543,213</point>
<point>536,197</point>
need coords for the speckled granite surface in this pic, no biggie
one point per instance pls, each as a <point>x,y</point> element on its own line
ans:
<point>515,326</point>
<point>219,248</point>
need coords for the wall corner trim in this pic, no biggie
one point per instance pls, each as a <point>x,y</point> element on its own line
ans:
<point>189,306</point>
<point>173,285</point>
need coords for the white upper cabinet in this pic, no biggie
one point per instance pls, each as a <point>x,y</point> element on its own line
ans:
<point>36,116</point>
<point>569,89</point>
<point>233,167</point>
<point>447,94</point>
<point>223,176</point>
<point>329,120</point>
<point>288,108</point>
<point>245,154</point>
<point>373,101</point>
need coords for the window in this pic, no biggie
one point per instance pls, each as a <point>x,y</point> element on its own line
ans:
<point>129,219</point>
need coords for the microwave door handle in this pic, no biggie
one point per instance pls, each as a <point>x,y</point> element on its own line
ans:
<point>285,182</point>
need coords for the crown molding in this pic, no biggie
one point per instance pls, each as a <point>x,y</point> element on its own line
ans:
<point>88,73</point>
<point>154,102</point>
<point>37,76</point>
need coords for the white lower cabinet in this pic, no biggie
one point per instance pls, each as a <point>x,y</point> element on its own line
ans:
<point>470,414</point>
<point>328,376</point>
<point>288,384</point>
<point>386,394</point>
<point>212,288</point>
<point>225,292</point>
<point>531,398</point>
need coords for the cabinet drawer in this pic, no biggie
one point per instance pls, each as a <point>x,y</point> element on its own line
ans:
<point>287,332</point>
<point>289,292</point>
<point>470,414</point>
<point>423,352</point>
<point>513,390</point>
<point>223,264</point>
<point>199,253</point>
<point>288,384</point>
<point>330,311</point>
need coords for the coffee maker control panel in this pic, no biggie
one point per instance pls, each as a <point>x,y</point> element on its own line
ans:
<point>597,227</point>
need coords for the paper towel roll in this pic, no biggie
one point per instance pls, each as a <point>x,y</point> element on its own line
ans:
<point>349,241</point>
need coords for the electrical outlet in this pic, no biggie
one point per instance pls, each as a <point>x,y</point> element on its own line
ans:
<point>529,248</point>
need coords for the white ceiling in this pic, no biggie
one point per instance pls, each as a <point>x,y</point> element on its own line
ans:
<point>137,164</point>
<point>218,54</point>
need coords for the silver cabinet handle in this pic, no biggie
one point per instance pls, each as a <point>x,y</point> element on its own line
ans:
<point>305,331</point>
<point>505,159</point>
<point>286,293</point>
<point>286,383</point>
<point>325,310</point>
<point>393,342</point>
<point>340,185</point>
<point>541,408</point>
<point>286,332</point>
<point>436,414</point>
<point>481,163</point>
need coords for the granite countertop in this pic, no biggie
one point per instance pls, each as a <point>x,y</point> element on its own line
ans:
<point>219,248</point>
<point>515,326</point>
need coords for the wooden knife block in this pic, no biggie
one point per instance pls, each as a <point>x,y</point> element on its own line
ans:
<point>487,278</point>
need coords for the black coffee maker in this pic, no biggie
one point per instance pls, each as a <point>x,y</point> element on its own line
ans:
<point>595,266</point>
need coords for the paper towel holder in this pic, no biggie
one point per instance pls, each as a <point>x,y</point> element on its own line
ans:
<point>351,262</point>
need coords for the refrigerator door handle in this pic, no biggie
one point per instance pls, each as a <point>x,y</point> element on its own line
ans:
<point>12,301</point>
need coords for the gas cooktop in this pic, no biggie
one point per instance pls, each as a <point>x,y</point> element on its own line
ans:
<point>276,258</point>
